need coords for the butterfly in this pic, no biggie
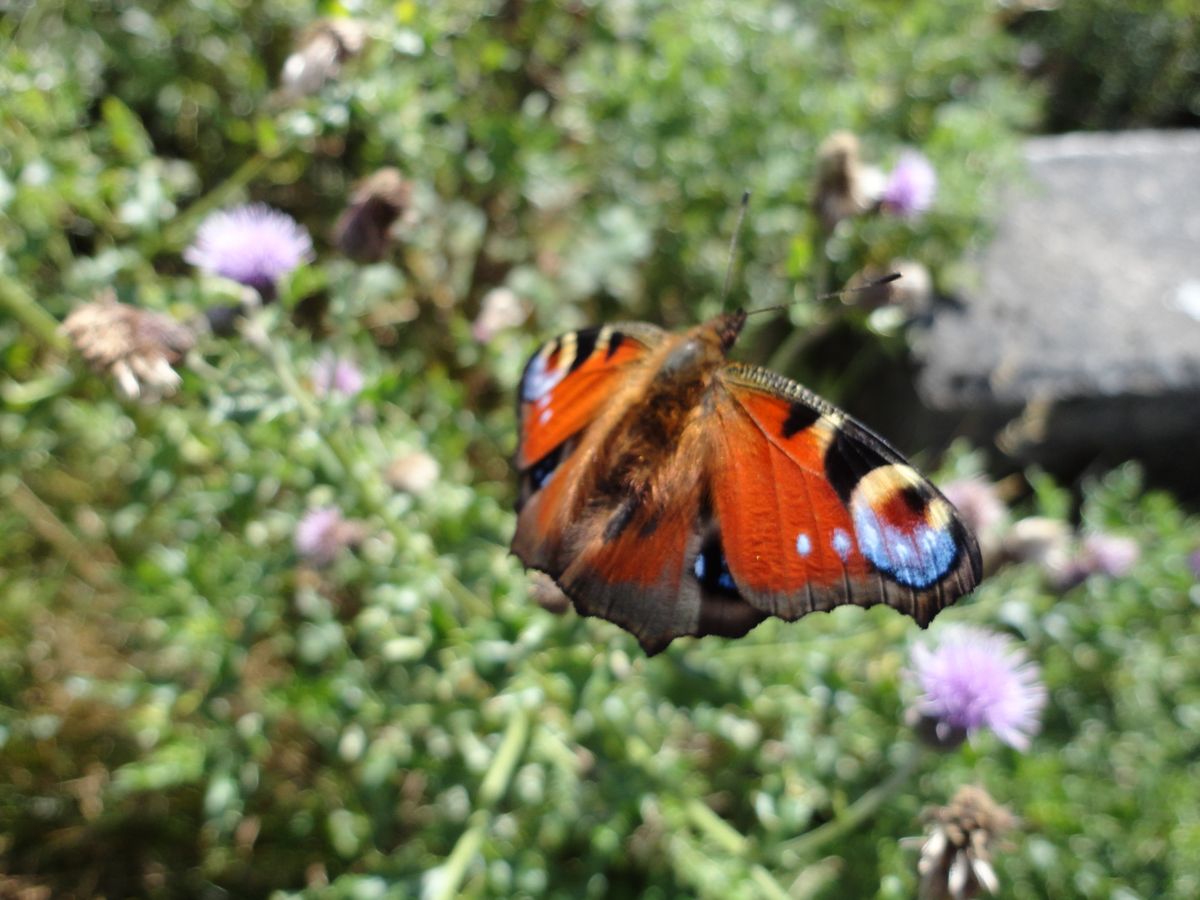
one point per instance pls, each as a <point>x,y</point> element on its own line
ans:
<point>674,492</point>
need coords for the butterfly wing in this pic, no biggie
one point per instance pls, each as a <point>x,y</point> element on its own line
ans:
<point>649,562</point>
<point>815,510</point>
<point>563,390</point>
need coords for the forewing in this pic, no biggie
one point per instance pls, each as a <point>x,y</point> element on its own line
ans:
<point>815,510</point>
<point>564,388</point>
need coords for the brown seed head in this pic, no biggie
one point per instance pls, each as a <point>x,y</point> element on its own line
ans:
<point>135,346</point>
<point>362,229</point>
<point>955,859</point>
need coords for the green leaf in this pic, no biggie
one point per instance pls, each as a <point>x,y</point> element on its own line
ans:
<point>125,130</point>
<point>302,282</point>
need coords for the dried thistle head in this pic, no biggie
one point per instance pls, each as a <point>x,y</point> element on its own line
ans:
<point>911,293</point>
<point>501,308</point>
<point>320,51</point>
<point>135,346</point>
<point>956,853</point>
<point>362,229</point>
<point>547,594</point>
<point>840,189</point>
<point>414,472</point>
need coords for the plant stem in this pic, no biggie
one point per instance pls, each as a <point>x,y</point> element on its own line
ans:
<point>491,790</point>
<point>820,264</point>
<point>733,842</point>
<point>181,229</point>
<point>94,568</point>
<point>767,885</point>
<point>716,828</point>
<point>860,810</point>
<point>795,343</point>
<point>465,849</point>
<point>26,310</point>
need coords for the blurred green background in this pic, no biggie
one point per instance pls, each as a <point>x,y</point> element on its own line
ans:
<point>187,708</point>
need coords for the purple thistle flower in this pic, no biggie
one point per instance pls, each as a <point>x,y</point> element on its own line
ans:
<point>975,679</point>
<point>1099,554</point>
<point>1109,554</point>
<point>333,375</point>
<point>910,186</point>
<point>322,533</point>
<point>253,244</point>
<point>977,501</point>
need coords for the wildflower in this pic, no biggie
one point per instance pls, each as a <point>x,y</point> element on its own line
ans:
<point>910,186</point>
<point>324,532</point>
<point>845,187</point>
<point>978,503</point>
<point>320,51</point>
<point>1040,540</point>
<point>362,229</point>
<point>331,374</point>
<point>135,346</point>
<point>414,472</point>
<point>1098,554</point>
<point>977,679</point>
<point>254,245</point>
<point>501,308</point>
<point>955,861</point>
<point>1194,563</point>
<point>1109,554</point>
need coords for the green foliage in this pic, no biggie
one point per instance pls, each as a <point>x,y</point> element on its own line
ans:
<point>585,155</point>
<point>189,707</point>
<point>1156,82</point>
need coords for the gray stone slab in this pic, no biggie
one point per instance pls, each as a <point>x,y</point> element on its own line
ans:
<point>1087,299</point>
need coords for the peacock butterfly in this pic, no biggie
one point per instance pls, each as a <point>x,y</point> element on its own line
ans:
<point>674,492</point>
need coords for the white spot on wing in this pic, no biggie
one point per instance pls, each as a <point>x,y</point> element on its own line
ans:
<point>540,380</point>
<point>841,543</point>
<point>803,543</point>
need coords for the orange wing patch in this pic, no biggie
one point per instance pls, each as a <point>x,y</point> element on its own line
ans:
<point>784,529</point>
<point>566,384</point>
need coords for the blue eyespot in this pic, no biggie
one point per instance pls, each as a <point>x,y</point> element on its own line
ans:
<point>915,559</point>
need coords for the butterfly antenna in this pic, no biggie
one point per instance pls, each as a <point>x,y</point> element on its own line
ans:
<point>733,242</point>
<point>870,285</point>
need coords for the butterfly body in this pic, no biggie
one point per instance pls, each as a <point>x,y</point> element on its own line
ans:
<point>674,492</point>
